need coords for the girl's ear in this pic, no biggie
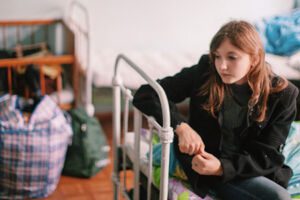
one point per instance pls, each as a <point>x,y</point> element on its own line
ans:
<point>255,60</point>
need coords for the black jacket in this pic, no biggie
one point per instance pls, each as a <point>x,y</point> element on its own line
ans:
<point>262,143</point>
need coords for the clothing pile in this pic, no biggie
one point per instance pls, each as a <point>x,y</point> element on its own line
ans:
<point>281,33</point>
<point>25,79</point>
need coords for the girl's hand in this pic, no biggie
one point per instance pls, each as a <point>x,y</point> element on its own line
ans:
<point>189,141</point>
<point>207,164</point>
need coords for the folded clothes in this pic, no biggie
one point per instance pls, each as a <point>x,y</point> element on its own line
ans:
<point>281,33</point>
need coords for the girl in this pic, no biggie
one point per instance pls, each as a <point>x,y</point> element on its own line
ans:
<point>240,115</point>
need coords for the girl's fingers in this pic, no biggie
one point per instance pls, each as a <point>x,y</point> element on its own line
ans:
<point>182,148</point>
<point>206,155</point>
<point>202,148</point>
<point>191,149</point>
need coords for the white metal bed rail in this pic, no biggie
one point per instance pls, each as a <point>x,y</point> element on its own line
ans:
<point>166,132</point>
<point>81,36</point>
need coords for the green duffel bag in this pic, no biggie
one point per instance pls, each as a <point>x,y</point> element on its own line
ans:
<point>88,152</point>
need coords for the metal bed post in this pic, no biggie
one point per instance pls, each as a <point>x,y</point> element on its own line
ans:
<point>127,98</point>
<point>136,162</point>
<point>150,174</point>
<point>166,137</point>
<point>89,107</point>
<point>116,134</point>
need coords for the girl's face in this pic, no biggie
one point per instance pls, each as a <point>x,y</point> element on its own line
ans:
<point>232,64</point>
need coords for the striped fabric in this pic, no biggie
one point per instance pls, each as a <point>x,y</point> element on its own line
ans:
<point>31,154</point>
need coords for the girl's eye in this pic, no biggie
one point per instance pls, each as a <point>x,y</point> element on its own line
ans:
<point>232,58</point>
<point>217,56</point>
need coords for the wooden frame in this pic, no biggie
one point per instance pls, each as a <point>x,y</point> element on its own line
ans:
<point>11,63</point>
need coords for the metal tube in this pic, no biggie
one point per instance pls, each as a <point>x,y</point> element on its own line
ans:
<point>88,81</point>
<point>161,94</point>
<point>116,135</point>
<point>149,184</point>
<point>136,163</point>
<point>125,130</point>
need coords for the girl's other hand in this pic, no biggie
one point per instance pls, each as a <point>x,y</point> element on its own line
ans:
<point>207,164</point>
<point>189,141</point>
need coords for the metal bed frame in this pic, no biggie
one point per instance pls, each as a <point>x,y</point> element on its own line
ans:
<point>165,133</point>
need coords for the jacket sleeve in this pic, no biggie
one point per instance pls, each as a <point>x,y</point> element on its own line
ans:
<point>262,156</point>
<point>177,88</point>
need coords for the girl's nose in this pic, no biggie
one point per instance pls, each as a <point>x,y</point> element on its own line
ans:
<point>223,65</point>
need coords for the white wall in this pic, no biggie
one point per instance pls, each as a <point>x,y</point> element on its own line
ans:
<point>169,25</point>
<point>146,27</point>
<point>31,9</point>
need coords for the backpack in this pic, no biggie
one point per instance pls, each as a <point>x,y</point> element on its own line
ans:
<point>88,152</point>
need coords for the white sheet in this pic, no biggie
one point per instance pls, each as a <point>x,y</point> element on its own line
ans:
<point>155,64</point>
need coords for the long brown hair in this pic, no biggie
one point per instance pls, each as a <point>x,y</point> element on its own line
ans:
<point>242,35</point>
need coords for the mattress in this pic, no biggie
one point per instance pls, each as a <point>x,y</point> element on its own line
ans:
<point>160,64</point>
